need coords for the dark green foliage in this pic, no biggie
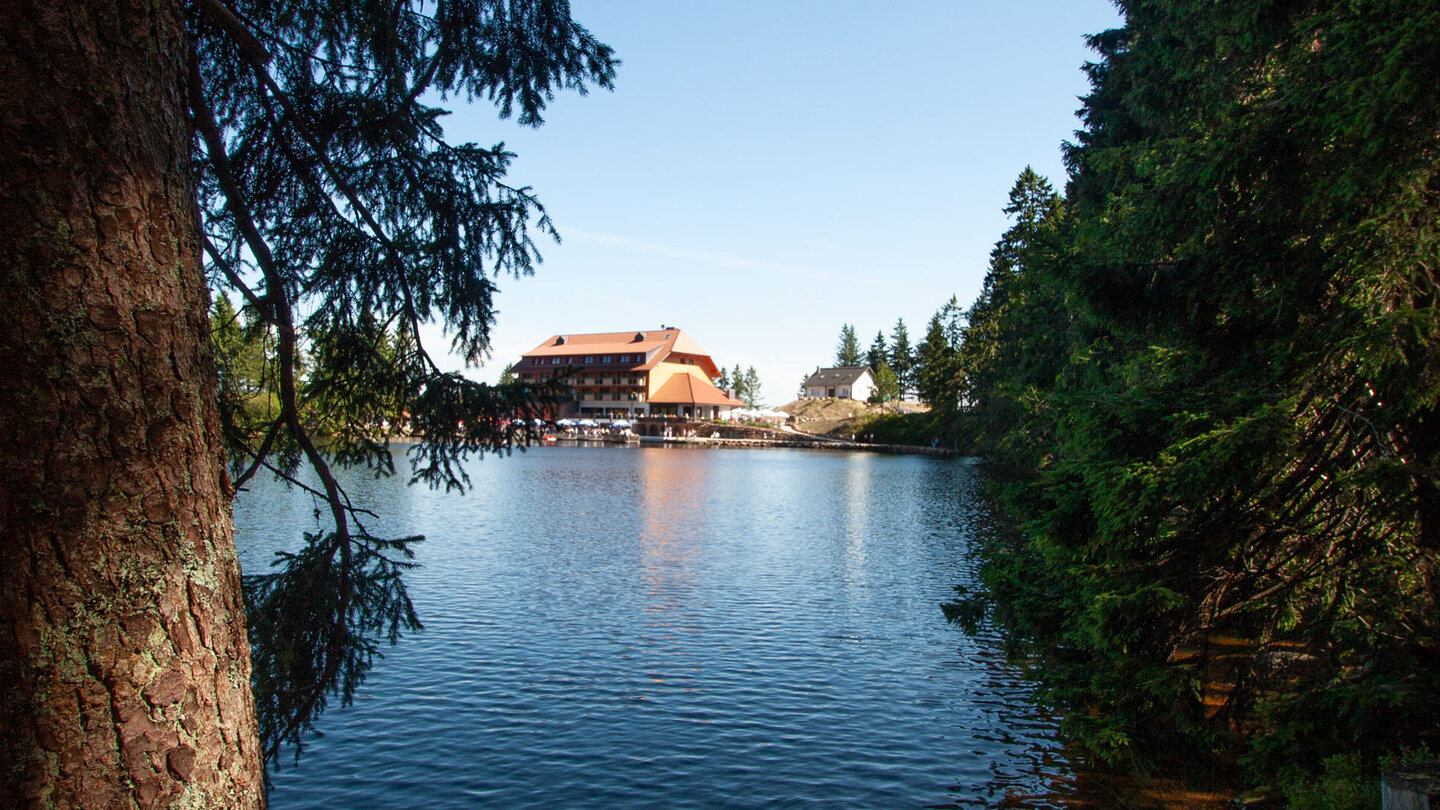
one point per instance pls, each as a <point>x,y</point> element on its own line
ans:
<point>909,429</point>
<point>1347,781</point>
<point>1017,338</point>
<point>322,616</point>
<point>902,357</point>
<point>737,383</point>
<point>847,351</point>
<point>333,204</point>
<point>1217,365</point>
<point>934,367</point>
<point>747,387</point>
<point>938,369</point>
<point>878,353</point>
<point>244,351</point>
<point>744,384</point>
<point>1346,784</point>
<point>887,385</point>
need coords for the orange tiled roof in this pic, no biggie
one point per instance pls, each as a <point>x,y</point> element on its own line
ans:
<point>687,389</point>
<point>671,341</point>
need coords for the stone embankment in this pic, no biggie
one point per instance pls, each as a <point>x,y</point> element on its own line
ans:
<point>710,435</point>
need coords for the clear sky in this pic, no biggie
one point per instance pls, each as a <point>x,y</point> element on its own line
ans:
<point>768,170</point>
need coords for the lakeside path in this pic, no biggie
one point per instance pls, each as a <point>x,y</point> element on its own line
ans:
<point>785,436</point>
<point>795,438</point>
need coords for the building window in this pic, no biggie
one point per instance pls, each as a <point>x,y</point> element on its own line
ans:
<point>590,358</point>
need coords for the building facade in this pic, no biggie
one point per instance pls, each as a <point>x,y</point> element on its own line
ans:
<point>659,372</point>
<point>844,382</point>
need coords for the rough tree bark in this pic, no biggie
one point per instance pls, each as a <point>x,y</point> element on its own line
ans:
<point>124,665</point>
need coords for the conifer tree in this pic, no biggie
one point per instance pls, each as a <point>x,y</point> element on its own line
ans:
<point>887,385</point>
<point>847,351</point>
<point>307,138</point>
<point>343,200</point>
<point>1018,333</point>
<point>878,353</point>
<point>902,358</point>
<point>1231,532</point>
<point>936,359</point>
<point>752,388</point>
<point>737,381</point>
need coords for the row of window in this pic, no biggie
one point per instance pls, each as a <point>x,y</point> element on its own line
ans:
<point>615,396</point>
<point>589,359</point>
<point>605,381</point>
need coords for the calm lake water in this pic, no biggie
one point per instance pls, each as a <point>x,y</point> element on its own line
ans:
<point>672,628</point>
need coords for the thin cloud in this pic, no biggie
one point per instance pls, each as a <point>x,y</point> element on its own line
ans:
<point>739,262</point>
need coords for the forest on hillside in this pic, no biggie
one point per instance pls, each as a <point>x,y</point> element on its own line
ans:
<point>1209,373</point>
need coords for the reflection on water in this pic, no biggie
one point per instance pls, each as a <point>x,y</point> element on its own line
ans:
<point>667,627</point>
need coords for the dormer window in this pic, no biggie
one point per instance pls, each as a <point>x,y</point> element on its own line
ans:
<point>639,336</point>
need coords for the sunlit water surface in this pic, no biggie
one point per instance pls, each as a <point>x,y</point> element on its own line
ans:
<point>672,628</point>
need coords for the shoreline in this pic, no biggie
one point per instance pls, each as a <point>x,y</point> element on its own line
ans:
<point>794,439</point>
<point>800,441</point>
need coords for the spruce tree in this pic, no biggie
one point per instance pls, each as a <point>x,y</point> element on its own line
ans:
<point>847,351</point>
<point>878,353</point>
<point>936,359</point>
<point>887,385</point>
<point>344,217</point>
<point>752,388</point>
<point>124,666</point>
<point>1018,333</point>
<point>306,137</point>
<point>1233,527</point>
<point>902,358</point>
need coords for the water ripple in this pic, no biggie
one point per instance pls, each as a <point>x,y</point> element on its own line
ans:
<point>671,628</point>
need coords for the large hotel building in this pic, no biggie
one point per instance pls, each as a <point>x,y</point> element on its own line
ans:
<point>630,374</point>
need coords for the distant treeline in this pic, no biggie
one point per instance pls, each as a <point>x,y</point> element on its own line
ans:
<point>1212,371</point>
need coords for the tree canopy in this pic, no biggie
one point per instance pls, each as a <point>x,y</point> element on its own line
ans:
<point>745,384</point>
<point>847,351</point>
<point>1216,360</point>
<point>336,208</point>
<point>878,353</point>
<point>902,357</point>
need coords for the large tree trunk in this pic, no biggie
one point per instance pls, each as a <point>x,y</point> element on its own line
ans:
<point>124,666</point>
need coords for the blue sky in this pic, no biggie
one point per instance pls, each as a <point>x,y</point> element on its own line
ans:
<point>765,172</point>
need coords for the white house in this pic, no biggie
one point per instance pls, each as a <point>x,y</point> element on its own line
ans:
<point>846,382</point>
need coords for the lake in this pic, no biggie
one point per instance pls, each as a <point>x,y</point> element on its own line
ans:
<point>672,628</point>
